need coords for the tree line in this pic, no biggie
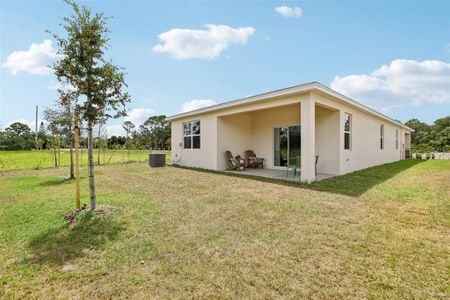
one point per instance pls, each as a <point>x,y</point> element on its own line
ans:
<point>428,138</point>
<point>153,134</point>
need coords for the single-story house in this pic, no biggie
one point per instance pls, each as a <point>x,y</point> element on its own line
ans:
<point>328,132</point>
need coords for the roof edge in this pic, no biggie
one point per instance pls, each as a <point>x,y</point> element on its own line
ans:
<point>246,100</point>
<point>311,86</point>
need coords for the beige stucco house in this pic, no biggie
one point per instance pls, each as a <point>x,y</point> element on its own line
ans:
<point>305,121</point>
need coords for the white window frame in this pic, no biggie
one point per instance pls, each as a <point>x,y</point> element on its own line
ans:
<point>349,131</point>
<point>191,136</point>
<point>381,136</point>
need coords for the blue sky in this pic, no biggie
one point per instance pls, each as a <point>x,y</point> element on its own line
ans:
<point>391,56</point>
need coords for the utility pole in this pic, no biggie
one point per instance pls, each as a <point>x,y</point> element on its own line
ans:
<point>36,137</point>
<point>77,161</point>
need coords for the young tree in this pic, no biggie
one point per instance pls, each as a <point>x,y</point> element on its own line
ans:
<point>155,131</point>
<point>42,137</point>
<point>100,142</point>
<point>68,99</point>
<point>128,126</point>
<point>55,118</point>
<point>97,81</point>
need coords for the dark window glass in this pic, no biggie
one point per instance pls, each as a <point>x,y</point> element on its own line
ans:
<point>287,145</point>
<point>347,131</point>
<point>381,143</point>
<point>187,142</point>
<point>196,127</point>
<point>294,142</point>
<point>187,129</point>
<point>347,141</point>
<point>347,122</point>
<point>196,142</point>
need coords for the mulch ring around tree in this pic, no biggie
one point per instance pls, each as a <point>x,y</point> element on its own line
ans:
<point>101,212</point>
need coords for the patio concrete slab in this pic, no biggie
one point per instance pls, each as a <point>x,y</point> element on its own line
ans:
<point>279,174</point>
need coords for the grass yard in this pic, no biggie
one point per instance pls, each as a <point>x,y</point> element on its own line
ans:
<point>13,160</point>
<point>383,232</point>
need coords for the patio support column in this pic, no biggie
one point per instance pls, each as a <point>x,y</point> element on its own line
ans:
<point>308,136</point>
<point>342,157</point>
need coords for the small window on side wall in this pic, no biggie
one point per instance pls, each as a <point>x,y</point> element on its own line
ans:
<point>396,138</point>
<point>382,137</point>
<point>191,132</point>
<point>347,131</point>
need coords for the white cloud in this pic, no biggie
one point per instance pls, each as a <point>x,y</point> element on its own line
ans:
<point>139,115</point>
<point>289,12</point>
<point>56,85</point>
<point>116,130</point>
<point>400,83</point>
<point>34,60</point>
<point>203,44</point>
<point>197,104</point>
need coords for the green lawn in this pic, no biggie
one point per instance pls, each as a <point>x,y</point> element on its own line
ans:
<point>13,160</point>
<point>172,232</point>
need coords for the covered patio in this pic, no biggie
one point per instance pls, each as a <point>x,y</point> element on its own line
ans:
<point>294,129</point>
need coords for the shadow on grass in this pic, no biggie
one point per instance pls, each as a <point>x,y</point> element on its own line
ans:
<point>62,244</point>
<point>56,181</point>
<point>352,184</point>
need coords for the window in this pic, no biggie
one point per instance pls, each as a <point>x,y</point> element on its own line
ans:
<point>191,135</point>
<point>347,131</point>
<point>396,138</point>
<point>381,137</point>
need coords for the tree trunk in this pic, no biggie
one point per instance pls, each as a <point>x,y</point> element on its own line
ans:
<point>72,175</point>
<point>91,167</point>
<point>77,160</point>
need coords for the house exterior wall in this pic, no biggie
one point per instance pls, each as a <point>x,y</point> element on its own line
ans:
<point>250,126</point>
<point>205,157</point>
<point>365,138</point>
<point>327,140</point>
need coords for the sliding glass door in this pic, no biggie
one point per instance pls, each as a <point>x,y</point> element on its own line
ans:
<point>287,144</point>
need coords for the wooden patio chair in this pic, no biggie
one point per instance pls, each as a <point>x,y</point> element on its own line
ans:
<point>252,160</point>
<point>233,163</point>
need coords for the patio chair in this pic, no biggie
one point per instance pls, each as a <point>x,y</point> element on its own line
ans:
<point>233,163</point>
<point>252,160</point>
<point>293,163</point>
